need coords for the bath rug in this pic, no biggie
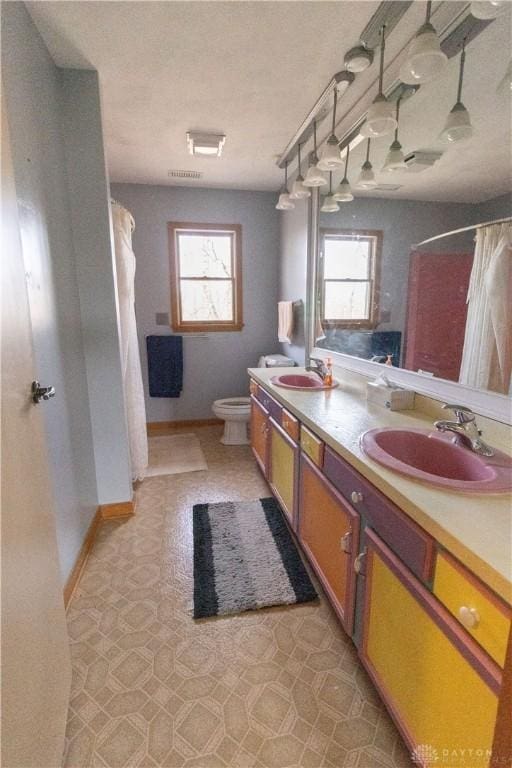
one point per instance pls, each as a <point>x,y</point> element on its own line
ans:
<point>174,454</point>
<point>245,558</point>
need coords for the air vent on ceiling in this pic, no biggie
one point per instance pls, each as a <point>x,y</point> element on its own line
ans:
<point>387,187</point>
<point>418,161</point>
<point>184,174</point>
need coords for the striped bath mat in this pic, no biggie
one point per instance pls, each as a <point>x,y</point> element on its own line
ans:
<point>245,558</point>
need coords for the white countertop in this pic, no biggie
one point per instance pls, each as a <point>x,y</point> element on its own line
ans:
<point>476,528</point>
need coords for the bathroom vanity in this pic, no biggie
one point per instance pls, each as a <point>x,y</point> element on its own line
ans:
<point>419,577</point>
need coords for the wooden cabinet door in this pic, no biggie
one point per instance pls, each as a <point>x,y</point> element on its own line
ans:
<point>440,686</point>
<point>329,533</point>
<point>259,433</point>
<point>283,469</point>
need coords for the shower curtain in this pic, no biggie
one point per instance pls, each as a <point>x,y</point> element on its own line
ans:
<point>487,354</point>
<point>130,357</point>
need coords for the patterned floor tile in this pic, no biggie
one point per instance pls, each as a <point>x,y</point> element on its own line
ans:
<point>152,688</point>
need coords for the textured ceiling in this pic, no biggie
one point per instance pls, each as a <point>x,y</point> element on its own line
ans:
<point>252,70</point>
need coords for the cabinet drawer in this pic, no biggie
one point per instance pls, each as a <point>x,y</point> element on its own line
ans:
<point>290,424</point>
<point>413,545</point>
<point>480,612</point>
<point>312,445</point>
<point>270,404</point>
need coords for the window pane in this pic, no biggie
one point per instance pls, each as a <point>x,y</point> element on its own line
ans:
<point>206,301</point>
<point>346,301</point>
<point>346,259</point>
<point>205,255</point>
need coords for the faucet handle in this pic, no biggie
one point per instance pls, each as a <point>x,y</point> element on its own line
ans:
<point>462,414</point>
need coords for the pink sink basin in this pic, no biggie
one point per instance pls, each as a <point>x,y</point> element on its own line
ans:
<point>439,460</point>
<point>301,381</point>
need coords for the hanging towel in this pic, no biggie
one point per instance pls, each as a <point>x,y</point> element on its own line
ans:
<point>285,321</point>
<point>165,365</point>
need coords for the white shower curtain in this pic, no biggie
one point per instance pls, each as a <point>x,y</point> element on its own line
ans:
<point>130,357</point>
<point>487,354</point>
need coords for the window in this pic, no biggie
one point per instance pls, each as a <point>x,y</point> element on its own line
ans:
<point>349,275</point>
<point>206,276</point>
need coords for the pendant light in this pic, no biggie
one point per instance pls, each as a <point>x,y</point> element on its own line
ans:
<point>395,157</point>
<point>366,178</point>
<point>379,120</point>
<point>285,203</point>
<point>314,176</point>
<point>331,157</point>
<point>299,191</point>
<point>425,59</point>
<point>330,205</point>
<point>488,9</point>
<point>458,123</point>
<point>344,194</point>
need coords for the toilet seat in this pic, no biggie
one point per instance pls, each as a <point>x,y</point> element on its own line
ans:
<point>233,405</point>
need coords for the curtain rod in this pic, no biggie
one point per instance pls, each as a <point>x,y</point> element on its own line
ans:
<point>463,229</point>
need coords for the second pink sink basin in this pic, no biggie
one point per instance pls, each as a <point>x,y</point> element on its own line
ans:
<point>301,381</point>
<point>439,460</point>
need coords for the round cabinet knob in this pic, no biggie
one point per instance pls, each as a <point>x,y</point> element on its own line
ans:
<point>469,617</point>
<point>356,497</point>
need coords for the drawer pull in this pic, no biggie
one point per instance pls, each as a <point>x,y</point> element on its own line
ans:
<point>356,497</point>
<point>346,542</point>
<point>469,617</point>
<point>358,563</point>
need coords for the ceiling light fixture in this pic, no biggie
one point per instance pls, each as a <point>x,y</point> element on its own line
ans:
<point>425,59</point>
<point>330,205</point>
<point>358,59</point>
<point>331,158</point>
<point>379,120</point>
<point>285,203</point>
<point>205,144</point>
<point>366,178</point>
<point>299,191</point>
<point>314,176</point>
<point>395,157</point>
<point>488,9</point>
<point>458,123</point>
<point>344,194</point>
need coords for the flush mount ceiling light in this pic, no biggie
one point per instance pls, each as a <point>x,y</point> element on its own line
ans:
<point>344,194</point>
<point>488,9</point>
<point>285,203</point>
<point>380,119</point>
<point>366,178</point>
<point>458,123</point>
<point>314,176</point>
<point>395,157</point>
<point>425,59</point>
<point>205,144</point>
<point>358,59</point>
<point>330,205</point>
<point>299,191</point>
<point>331,158</point>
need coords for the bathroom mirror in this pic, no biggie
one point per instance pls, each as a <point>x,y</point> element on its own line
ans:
<point>383,297</point>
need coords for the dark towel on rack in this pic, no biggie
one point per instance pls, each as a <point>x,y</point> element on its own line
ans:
<point>165,365</point>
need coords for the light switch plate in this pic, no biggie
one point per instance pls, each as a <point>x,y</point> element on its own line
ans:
<point>162,318</point>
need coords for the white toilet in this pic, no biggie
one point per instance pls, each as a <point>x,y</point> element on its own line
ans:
<point>236,412</point>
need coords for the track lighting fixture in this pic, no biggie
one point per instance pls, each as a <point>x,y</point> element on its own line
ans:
<point>285,203</point>
<point>366,178</point>
<point>299,191</point>
<point>344,194</point>
<point>380,119</point>
<point>314,176</point>
<point>425,59</point>
<point>331,158</point>
<point>395,157</point>
<point>330,205</point>
<point>458,123</point>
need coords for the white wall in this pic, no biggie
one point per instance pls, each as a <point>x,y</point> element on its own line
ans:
<point>215,367</point>
<point>69,276</point>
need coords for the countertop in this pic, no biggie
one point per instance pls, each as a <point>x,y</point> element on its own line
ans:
<point>475,528</point>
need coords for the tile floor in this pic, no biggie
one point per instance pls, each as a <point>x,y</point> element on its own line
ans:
<point>151,687</point>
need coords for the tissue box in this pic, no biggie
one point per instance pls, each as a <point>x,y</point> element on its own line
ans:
<point>392,397</point>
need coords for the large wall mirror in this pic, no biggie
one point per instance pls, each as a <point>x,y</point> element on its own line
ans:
<point>443,308</point>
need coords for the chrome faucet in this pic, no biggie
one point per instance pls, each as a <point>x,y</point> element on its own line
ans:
<point>466,428</point>
<point>320,368</point>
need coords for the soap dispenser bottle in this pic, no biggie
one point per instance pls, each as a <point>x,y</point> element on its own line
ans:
<point>328,375</point>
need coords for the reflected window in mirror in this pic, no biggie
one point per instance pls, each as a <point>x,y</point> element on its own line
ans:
<point>349,278</point>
